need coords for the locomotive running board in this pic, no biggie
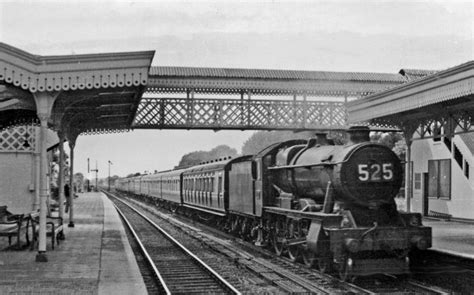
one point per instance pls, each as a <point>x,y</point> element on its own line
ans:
<point>299,214</point>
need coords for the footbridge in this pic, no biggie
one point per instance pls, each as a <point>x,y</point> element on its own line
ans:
<point>218,98</point>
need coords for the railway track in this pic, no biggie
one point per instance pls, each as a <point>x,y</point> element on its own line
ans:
<point>291,277</point>
<point>448,271</point>
<point>280,275</point>
<point>177,269</point>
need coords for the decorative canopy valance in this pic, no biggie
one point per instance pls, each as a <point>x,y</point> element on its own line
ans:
<point>70,72</point>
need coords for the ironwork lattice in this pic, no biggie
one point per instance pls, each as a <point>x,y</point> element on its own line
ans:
<point>13,139</point>
<point>162,113</point>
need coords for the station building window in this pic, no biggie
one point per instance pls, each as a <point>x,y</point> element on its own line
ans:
<point>439,183</point>
<point>466,169</point>
<point>417,181</point>
<point>458,156</point>
<point>447,142</point>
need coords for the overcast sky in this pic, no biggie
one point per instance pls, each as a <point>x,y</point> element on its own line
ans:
<point>362,36</point>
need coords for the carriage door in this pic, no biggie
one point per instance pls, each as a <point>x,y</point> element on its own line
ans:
<point>425,194</point>
<point>257,186</point>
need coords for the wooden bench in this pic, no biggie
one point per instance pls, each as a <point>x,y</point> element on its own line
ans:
<point>11,225</point>
<point>54,228</point>
<point>440,215</point>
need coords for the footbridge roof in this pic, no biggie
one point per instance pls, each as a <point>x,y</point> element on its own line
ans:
<point>269,82</point>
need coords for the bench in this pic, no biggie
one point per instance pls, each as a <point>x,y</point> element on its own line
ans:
<point>11,225</point>
<point>440,215</point>
<point>54,228</point>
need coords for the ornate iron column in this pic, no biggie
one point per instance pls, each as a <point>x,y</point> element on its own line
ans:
<point>72,143</point>
<point>37,154</point>
<point>44,103</point>
<point>61,175</point>
<point>408,129</point>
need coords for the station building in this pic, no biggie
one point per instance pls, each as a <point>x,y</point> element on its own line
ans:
<point>443,176</point>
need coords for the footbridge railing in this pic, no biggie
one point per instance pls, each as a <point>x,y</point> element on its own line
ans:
<point>183,113</point>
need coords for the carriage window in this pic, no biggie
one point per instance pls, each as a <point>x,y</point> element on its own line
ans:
<point>439,174</point>
<point>219,185</point>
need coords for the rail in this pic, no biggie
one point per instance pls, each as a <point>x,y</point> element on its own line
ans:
<point>226,285</point>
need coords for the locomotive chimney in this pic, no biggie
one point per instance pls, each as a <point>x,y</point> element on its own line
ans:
<point>358,134</point>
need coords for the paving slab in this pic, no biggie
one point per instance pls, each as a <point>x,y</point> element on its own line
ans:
<point>452,237</point>
<point>95,257</point>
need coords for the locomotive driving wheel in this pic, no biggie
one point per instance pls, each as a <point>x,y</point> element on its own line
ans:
<point>294,232</point>
<point>278,237</point>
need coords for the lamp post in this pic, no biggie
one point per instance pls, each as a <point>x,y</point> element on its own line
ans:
<point>88,180</point>
<point>96,170</point>
<point>110,163</point>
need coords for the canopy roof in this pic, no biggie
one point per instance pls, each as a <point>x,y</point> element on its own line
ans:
<point>94,92</point>
<point>441,96</point>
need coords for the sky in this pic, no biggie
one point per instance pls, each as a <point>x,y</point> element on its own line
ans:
<point>355,36</point>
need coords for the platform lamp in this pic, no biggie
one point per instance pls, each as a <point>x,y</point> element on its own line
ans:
<point>96,170</point>
<point>88,181</point>
<point>110,163</point>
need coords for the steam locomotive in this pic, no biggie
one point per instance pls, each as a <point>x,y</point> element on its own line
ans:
<point>330,205</point>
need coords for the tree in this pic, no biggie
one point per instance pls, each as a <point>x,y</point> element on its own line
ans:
<point>194,158</point>
<point>394,140</point>
<point>400,148</point>
<point>79,181</point>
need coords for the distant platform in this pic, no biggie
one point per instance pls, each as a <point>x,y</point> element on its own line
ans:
<point>95,257</point>
<point>452,237</point>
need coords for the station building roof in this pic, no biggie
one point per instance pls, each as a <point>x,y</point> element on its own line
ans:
<point>437,96</point>
<point>468,139</point>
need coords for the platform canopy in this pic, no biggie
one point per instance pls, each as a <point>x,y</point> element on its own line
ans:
<point>93,92</point>
<point>441,103</point>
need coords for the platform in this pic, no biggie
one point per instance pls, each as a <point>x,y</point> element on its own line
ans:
<point>452,237</point>
<point>95,257</point>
